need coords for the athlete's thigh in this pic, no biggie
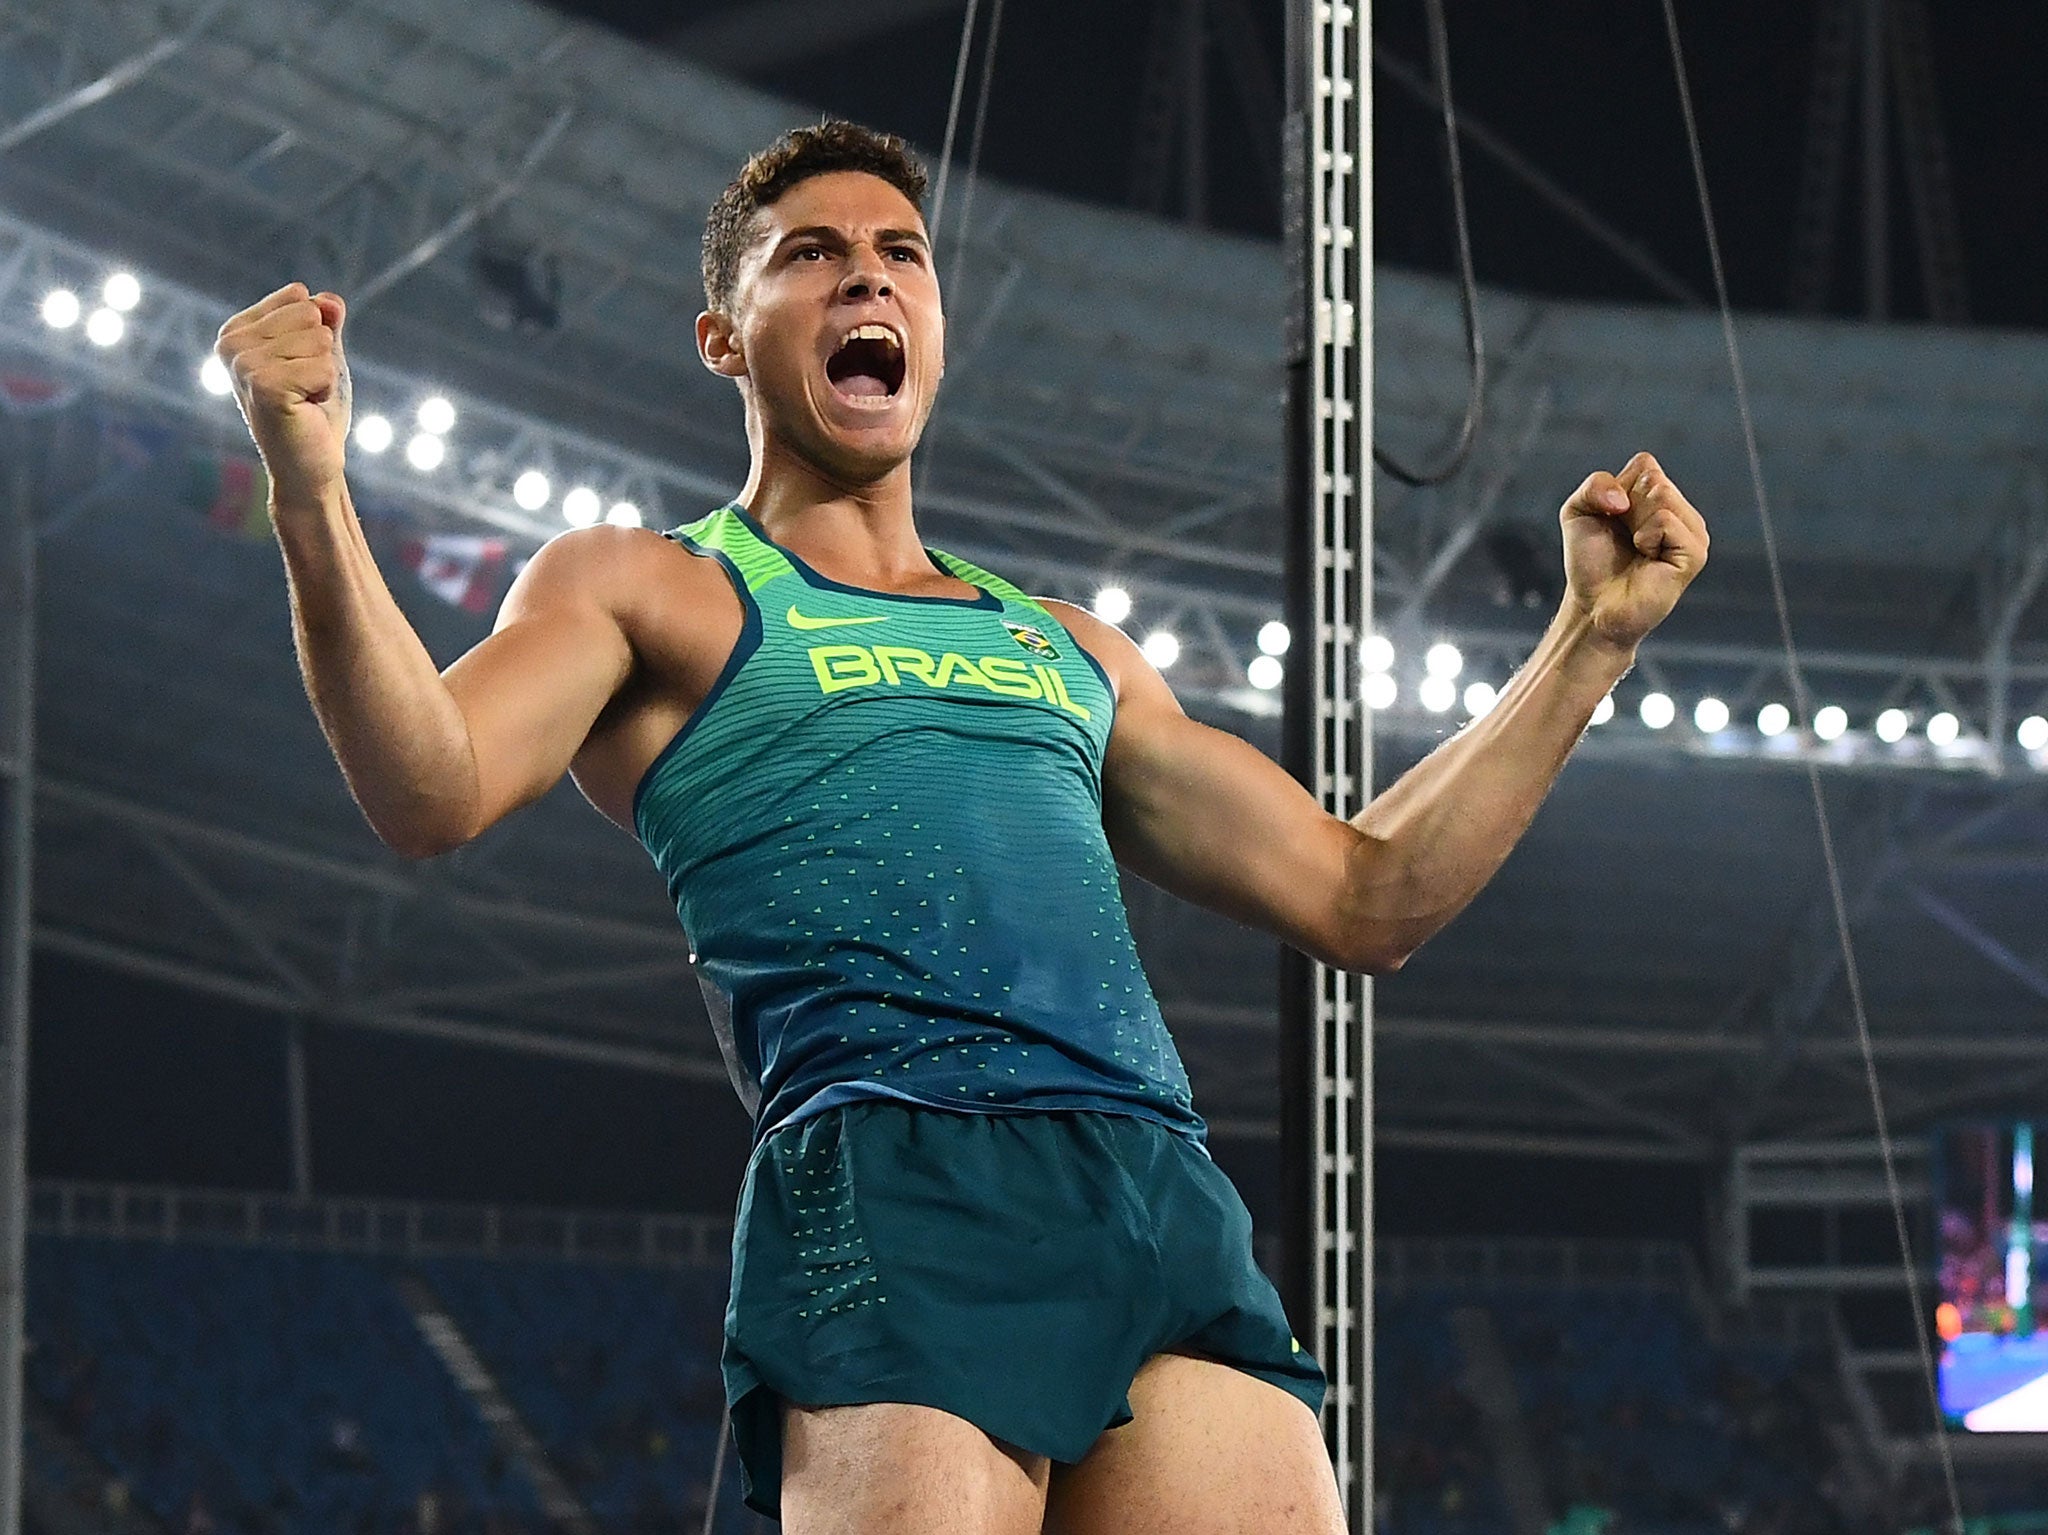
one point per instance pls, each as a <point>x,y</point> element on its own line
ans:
<point>889,1468</point>
<point>1209,1451</point>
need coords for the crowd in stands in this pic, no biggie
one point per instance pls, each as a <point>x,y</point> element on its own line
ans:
<point>1632,1409</point>
<point>236,1392</point>
<point>614,1368</point>
<point>195,1389</point>
<point>1636,1423</point>
<point>1433,1472</point>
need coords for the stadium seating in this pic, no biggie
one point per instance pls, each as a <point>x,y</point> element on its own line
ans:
<point>269,1391</point>
<point>614,1368</point>
<point>277,1392</point>
<point>1629,1409</point>
<point>1435,1475</point>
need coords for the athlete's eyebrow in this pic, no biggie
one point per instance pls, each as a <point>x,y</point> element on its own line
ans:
<point>824,232</point>
<point>827,234</point>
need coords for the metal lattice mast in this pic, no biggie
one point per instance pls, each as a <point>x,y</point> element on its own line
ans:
<point>1327,1093</point>
<point>1882,52</point>
<point>1827,143</point>
<point>17,774</point>
<point>1936,227</point>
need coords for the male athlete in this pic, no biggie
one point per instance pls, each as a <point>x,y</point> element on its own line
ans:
<point>986,1280</point>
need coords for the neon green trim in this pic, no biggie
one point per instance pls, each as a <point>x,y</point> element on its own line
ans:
<point>727,532</point>
<point>974,575</point>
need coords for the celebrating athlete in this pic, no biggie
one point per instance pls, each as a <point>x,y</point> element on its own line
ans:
<point>985,1276</point>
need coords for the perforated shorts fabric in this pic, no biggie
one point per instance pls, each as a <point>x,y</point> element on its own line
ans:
<point>1012,1269</point>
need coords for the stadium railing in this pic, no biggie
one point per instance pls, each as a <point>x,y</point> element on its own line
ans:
<point>1493,1263</point>
<point>394,1228</point>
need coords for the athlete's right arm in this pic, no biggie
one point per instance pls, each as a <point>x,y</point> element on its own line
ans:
<point>433,759</point>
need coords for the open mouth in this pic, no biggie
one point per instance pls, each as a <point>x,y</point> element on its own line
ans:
<point>868,364</point>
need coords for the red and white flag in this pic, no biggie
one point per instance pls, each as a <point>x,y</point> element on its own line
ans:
<point>462,569</point>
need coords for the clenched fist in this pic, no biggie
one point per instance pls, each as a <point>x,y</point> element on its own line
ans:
<point>1632,544</point>
<point>291,381</point>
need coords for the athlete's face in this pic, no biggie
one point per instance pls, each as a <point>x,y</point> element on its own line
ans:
<point>836,332</point>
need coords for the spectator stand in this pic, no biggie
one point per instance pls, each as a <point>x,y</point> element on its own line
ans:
<point>255,1363</point>
<point>1641,1408</point>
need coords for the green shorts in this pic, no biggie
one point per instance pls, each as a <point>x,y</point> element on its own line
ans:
<point>1014,1270</point>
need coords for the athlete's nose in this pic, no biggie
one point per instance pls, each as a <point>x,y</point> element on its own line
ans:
<point>866,277</point>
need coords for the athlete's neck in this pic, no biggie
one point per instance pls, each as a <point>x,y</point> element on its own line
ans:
<point>862,535</point>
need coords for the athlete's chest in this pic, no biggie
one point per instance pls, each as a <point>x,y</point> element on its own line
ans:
<point>822,645</point>
<point>814,671</point>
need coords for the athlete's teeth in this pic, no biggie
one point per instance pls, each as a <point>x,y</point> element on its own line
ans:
<point>871,333</point>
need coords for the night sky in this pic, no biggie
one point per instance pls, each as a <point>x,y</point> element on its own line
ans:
<point>1582,88</point>
<point>132,1082</point>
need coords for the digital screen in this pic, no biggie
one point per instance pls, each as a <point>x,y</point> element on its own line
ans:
<point>1992,1317</point>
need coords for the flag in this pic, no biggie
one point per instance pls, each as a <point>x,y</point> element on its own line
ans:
<point>33,394</point>
<point>462,569</point>
<point>235,492</point>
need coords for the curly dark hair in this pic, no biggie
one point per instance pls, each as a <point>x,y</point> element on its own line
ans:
<point>832,145</point>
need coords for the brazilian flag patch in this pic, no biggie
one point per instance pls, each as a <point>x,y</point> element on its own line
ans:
<point>1031,640</point>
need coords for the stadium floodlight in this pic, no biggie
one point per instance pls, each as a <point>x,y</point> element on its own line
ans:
<point>1657,710</point>
<point>1604,710</point>
<point>581,507</point>
<point>1830,722</point>
<point>425,452</point>
<point>121,292</point>
<point>104,327</point>
<point>1379,690</point>
<point>1892,726</point>
<point>1112,604</point>
<point>1265,672</point>
<point>1161,648</point>
<point>214,377</point>
<point>1274,638</point>
<point>624,514</point>
<point>1773,720</point>
<point>1710,716</point>
<point>437,415</point>
<point>1444,660</point>
<point>1437,693</point>
<point>1943,728</point>
<point>1377,653</point>
<point>61,309</point>
<point>372,434</point>
<point>1480,697</point>
<point>531,491</point>
<point>2033,733</point>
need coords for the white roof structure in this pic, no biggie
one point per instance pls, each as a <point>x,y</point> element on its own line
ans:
<point>1653,973</point>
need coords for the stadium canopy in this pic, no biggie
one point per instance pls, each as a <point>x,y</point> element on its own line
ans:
<point>513,201</point>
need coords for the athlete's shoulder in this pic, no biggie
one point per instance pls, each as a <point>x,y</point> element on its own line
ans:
<point>1111,648</point>
<point>625,571</point>
<point>1141,693</point>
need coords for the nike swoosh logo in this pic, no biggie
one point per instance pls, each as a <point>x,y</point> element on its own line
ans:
<point>799,621</point>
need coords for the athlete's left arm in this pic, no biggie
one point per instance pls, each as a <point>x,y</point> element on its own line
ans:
<point>1207,816</point>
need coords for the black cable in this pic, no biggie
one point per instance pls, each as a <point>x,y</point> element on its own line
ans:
<point>923,472</point>
<point>988,75</point>
<point>1837,901</point>
<point>717,1472</point>
<point>953,116</point>
<point>1468,284</point>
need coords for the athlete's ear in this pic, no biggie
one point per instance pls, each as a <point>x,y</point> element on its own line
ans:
<point>718,344</point>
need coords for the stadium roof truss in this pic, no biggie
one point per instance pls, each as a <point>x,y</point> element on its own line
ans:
<point>1111,414</point>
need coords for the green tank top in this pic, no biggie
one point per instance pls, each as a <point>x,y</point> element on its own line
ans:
<point>882,830</point>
